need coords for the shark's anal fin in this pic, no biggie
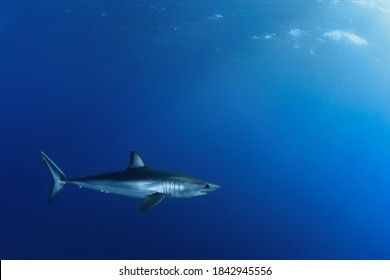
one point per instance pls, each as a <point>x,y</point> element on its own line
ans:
<point>151,201</point>
<point>136,161</point>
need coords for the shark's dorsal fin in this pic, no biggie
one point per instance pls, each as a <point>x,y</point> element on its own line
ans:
<point>136,161</point>
<point>151,201</point>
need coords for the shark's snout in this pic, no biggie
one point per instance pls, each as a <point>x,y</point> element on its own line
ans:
<point>211,187</point>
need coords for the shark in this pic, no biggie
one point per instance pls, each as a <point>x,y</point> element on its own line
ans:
<point>136,181</point>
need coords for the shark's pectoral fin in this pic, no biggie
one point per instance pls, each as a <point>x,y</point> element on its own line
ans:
<point>151,201</point>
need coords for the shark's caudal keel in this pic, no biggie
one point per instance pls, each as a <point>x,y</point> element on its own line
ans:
<point>136,181</point>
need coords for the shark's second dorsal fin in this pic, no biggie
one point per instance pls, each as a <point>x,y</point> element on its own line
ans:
<point>136,161</point>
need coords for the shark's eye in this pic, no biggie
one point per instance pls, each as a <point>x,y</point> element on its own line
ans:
<point>207,186</point>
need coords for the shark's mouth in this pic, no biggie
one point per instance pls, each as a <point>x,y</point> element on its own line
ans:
<point>202,192</point>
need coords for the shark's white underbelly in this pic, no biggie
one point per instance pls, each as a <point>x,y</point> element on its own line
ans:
<point>131,189</point>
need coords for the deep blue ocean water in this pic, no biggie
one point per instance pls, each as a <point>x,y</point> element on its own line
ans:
<point>285,104</point>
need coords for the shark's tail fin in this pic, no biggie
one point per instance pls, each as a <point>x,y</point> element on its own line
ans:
<point>58,177</point>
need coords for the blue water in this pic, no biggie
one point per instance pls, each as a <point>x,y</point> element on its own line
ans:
<point>285,104</point>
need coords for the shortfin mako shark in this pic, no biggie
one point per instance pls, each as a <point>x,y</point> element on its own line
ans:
<point>136,181</point>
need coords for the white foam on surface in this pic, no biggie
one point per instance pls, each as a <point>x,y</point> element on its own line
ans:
<point>338,35</point>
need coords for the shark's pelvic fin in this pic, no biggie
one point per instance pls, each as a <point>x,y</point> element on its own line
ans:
<point>58,177</point>
<point>151,201</point>
<point>136,161</point>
